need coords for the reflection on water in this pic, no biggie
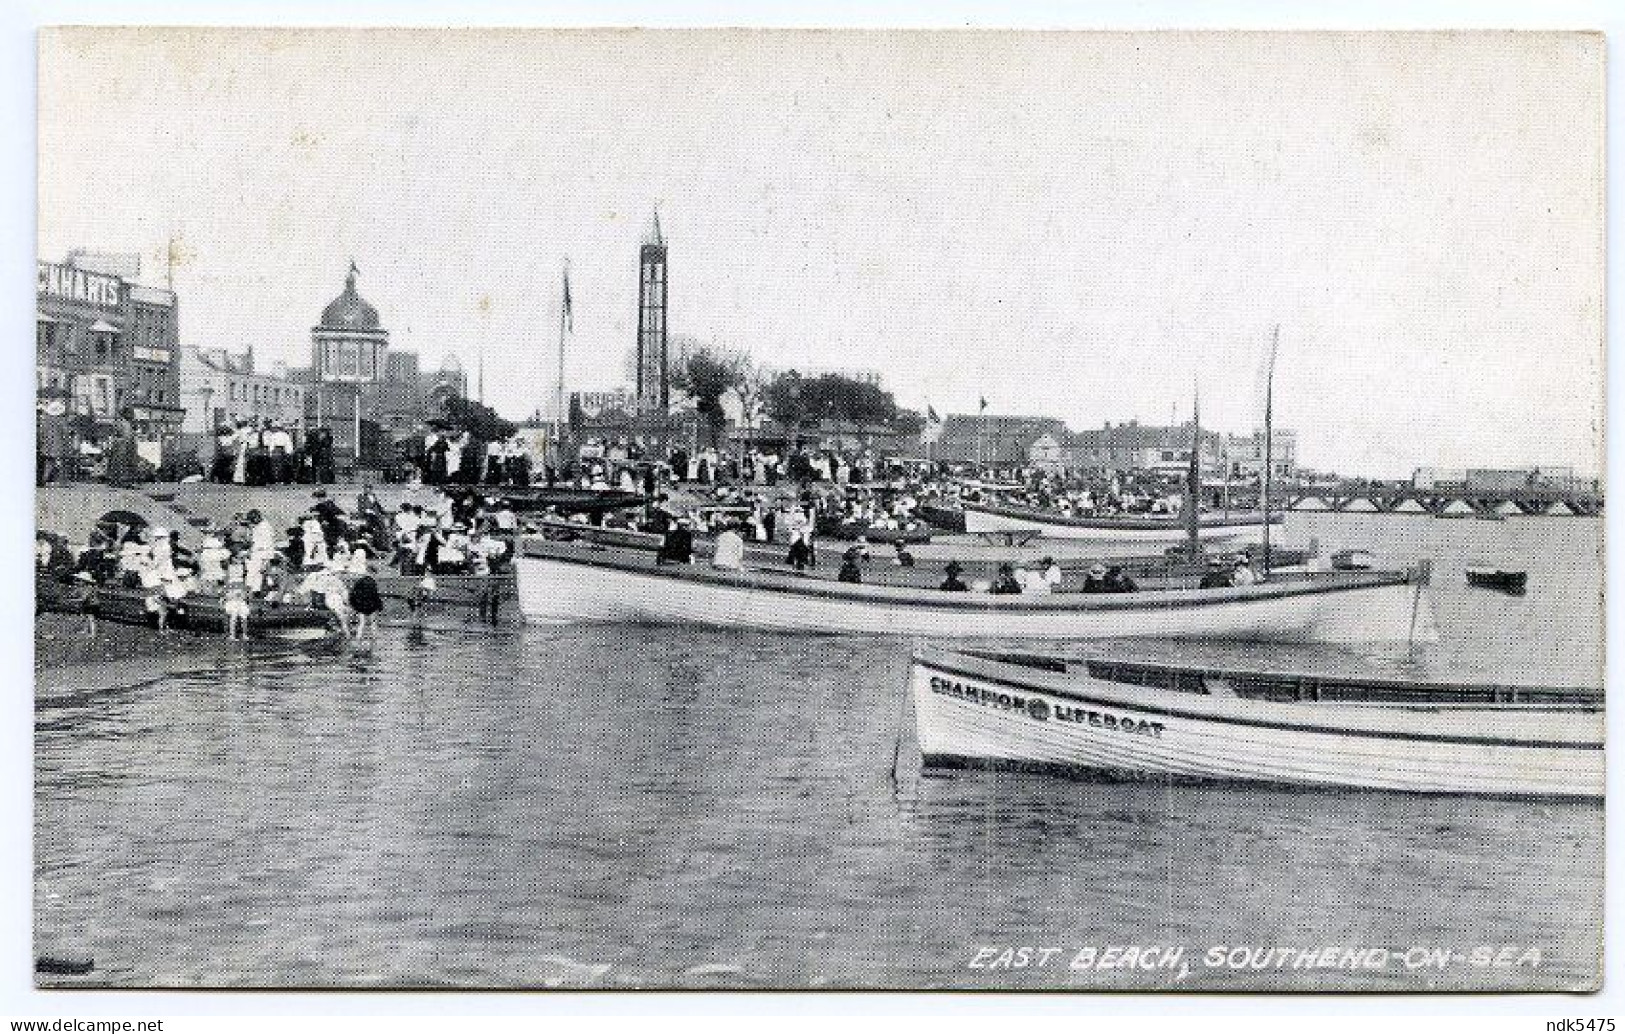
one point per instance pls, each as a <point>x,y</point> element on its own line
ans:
<point>635,806</point>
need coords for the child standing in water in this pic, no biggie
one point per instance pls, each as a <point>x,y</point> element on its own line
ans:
<point>366,602</point>
<point>235,601</point>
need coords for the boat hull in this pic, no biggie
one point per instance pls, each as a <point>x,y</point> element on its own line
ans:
<point>1513,583</point>
<point>563,585</point>
<point>979,520</point>
<point>463,590</point>
<point>972,711</point>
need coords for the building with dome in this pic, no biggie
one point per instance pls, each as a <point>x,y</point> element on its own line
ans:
<point>348,345</point>
<point>366,393</point>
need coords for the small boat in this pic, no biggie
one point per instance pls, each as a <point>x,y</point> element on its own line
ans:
<point>583,581</point>
<point>1132,720</point>
<point>947,518</point>
<point>913,533</point>
<point>1353,560</point>
<point>196,612</point>
<point>1513,583</point>
<point>564,500</point>
<point>982,517</point>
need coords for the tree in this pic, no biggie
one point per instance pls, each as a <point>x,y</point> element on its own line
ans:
<point>798,402</point>
<point>706,375</point>
<point>784,402</point>
<point>908,422</point>
<point>479,420</point>
<point>751,391</point>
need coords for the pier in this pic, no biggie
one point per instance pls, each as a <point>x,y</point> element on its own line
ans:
<point>1366,497</point>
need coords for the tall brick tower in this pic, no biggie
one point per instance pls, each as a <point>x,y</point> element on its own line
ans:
<point>654,382</point>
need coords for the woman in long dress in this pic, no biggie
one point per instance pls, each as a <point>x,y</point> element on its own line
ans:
<point>239,469</point>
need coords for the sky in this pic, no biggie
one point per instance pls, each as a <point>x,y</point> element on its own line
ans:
<point>1087,226</point>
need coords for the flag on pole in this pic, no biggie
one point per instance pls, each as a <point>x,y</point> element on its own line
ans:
<point>984,405</point>
<point>931,416</point>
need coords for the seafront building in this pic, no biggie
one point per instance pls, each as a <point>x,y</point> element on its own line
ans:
<point>371,397</point>
<point>109,346</point>
<point>1004,441</point>
<point>1244,455</point>
<point>219,387</point>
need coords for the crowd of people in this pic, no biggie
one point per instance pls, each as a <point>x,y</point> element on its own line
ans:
<point>790,499</point>
<point>264,452</point>
<point>456,457</point>
<point>329,559</point>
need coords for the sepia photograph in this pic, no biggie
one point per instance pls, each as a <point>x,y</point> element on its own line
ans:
<point>819,509</point>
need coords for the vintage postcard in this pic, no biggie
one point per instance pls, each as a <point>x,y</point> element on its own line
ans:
<point>755,509</point>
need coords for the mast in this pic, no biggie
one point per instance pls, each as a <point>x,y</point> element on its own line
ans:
<point>1269,439</point>
<point>566,325</point>
<point>1193,483</point>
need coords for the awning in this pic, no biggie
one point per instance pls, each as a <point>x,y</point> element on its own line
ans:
<point>40,317</point>
<point>103,327</point>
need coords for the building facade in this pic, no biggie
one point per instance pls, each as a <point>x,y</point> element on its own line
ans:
<point>1136,446</point>
<point>219,389</point>
<point>111,345</point>
<point>1244,455</point>
<point>372,398</point>
<point>994,440</point>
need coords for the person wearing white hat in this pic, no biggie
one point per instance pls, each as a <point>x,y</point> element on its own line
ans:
<point>729,554</point>
<point>1243,573</point>
<point>358,559</point>
<point>1095,580</point>
<point>335,595</point>
<point>1052,573</point>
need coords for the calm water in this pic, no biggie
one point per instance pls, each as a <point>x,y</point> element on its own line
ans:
<point>643,807</point>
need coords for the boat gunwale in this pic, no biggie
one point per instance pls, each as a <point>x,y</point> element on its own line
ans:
<point>767,580</point>
<point>1379,682</point>
<point>1242,521</point>
<point>928,658</point>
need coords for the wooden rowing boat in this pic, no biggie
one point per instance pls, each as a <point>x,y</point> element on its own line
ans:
<point>948,518</point>
<point>1131,720</point>
<point>980,517</point>
<point>913,534</point>
<point>197,612</point>
<point>1353,560</point>
<point>574,581</point>
<point>1513,583</point>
